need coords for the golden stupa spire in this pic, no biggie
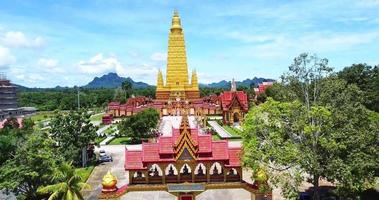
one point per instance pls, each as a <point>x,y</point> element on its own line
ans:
<point>194,82</point>
<point>177,71</point>
<point>177,84</point>
<point>160,84</point>
<point>176,21</point>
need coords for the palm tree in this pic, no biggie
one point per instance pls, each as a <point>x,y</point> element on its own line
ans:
<point>68,184</point>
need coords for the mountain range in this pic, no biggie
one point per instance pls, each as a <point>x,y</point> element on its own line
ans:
<point>112,80</point>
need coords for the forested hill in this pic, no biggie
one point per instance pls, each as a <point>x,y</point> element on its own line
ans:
<point>245,83</point>
<point>112,80</point>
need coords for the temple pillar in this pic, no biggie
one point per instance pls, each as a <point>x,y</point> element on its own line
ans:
<point>224,172</point>
<point>252,196</point>
<point>163,168</point>
<point>239,171</point>
<point>178,169</point>
<point>207,165</point>
<point>131,173</point>
<point>146,173</point>
<point>193,167</point>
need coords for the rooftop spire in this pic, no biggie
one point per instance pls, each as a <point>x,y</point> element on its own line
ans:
<point>176,21</point>
<point>233,86</point>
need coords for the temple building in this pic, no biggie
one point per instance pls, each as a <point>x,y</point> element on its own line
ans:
<point>9,102</point>
<point>234,105</point>
<point>184,160</point>
<point>177,85</point>
<point>185,164</point>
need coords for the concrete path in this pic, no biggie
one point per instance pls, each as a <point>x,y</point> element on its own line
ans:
<point>116,167</point>
<point>102,129</point>
<point>219,130</point>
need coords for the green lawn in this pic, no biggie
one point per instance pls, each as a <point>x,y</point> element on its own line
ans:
<point>85,172</point>
<point>96,117</point>
<point>120,141</point>
<point>109,130</point>
<point>99,139</point>
<point>216,137</point>
<point>43,115</point>
<point>233,131</point>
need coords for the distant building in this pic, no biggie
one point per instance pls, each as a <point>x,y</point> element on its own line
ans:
<point>9,101</point>
<point>262,87</point>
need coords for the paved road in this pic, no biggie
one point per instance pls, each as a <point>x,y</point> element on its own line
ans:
<point>116,167</point>
<point>219,130</point>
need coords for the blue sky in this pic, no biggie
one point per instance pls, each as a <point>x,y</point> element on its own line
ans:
<point>46,43</point>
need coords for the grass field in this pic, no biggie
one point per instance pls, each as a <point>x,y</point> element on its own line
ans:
<point>96,117</point>
<point>43,115</point>
<point>120,141</point>
<point>235,132</point>
<point>99,139</point>
<point>85,172</point>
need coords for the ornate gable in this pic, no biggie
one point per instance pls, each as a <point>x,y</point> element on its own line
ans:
<point>185,146</point>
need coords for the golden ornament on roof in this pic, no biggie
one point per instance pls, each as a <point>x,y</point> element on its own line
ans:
<point>109,181</point>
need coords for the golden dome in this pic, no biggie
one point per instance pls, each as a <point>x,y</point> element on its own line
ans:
<point>109,181</point>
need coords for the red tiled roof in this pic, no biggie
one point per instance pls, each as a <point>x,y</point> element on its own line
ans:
<point>234,157</point>
<point>220,150</point>
<point>205,143</point>
<point>19,121</point>
<point>165,145</point>
<point>133,159</point>
<point>150,152</point>
<point>228,96</point>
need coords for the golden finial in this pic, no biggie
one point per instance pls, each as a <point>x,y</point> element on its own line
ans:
<point>176,21</point>
<point>109,182</point>
<point>176,13</point>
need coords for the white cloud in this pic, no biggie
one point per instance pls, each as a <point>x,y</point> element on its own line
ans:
<point>368,3</point>
<point>248,37</point>
<point>6,58</point>
<point>158,56</point>
<point>100,64</point>
<point>47,62</point>
<point>283,46</point>
<point>49,65</point>
<point>21,75</point>
<point>17,39</point>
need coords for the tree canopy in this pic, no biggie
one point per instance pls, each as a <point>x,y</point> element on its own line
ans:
<point>140,126</point>
<point>30,167</point>
<point>73,132</point>
<point>319,130</point>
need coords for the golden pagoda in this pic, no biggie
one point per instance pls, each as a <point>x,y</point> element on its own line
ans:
<point>177,84</point>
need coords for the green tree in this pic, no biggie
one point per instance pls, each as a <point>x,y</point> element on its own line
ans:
<point>315,136</point>
<point>280,92</point>
<point>30,167</point>
<point>140,126</point>
<point>367,79</point>
<point>68,184</point>
<point>127,87</point>
<point>73,132</point>
<point>11,137</point>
